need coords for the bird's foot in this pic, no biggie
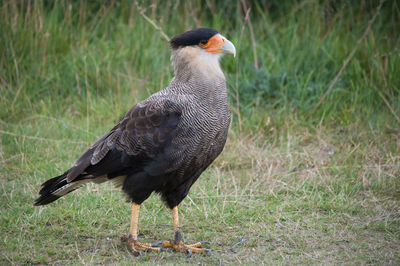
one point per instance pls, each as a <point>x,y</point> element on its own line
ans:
<point>137,247</point>
<point>178,246</point>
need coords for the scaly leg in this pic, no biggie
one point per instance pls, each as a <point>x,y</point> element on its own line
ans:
<point>178,244</point>
<point>131,239</point>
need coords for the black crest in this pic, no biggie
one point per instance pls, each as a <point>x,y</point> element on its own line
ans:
<point>192,37</point>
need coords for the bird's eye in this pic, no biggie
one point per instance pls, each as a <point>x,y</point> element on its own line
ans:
<point>203,42</point>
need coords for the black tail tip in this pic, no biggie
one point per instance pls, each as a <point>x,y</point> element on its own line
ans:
<point>45,199</point>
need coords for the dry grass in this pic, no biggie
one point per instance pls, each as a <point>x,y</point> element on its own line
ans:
<point>293,186</point>
<point>305,195</point>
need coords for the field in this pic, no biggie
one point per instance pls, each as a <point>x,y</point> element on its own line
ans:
<point>310,173</point>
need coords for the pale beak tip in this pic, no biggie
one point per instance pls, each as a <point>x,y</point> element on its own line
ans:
<point>229,48</point>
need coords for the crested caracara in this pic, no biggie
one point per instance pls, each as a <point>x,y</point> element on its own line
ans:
<point>165,142</point>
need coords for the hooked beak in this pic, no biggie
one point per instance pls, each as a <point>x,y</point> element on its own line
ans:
<point>229,48</point>
<point>219,44</point>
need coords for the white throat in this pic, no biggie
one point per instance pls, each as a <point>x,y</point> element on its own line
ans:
<point>194,61</point>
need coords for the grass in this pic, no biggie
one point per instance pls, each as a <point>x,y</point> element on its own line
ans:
<point>293,185</point>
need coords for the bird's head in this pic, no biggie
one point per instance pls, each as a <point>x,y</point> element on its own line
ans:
<point>200,49</point>
<point>205,40</point>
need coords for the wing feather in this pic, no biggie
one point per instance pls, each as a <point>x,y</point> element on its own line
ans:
<point>145,130</point>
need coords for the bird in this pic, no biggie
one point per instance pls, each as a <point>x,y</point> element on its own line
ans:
<point>164,143</point>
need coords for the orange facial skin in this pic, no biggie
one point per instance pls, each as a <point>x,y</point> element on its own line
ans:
<point>214,44</point>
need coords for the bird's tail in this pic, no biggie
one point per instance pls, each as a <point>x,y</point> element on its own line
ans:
<point>57,187</point>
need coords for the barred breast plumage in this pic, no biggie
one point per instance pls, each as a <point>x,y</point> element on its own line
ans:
<point>165,142</point>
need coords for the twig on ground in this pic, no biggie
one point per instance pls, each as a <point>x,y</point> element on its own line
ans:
<point>141,11</point>
<point>79,256</point>
<point>241,241</point>
<point>346,62</point>
<point>253,39</point>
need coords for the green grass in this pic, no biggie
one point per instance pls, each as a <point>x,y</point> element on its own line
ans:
<point>293,185</point>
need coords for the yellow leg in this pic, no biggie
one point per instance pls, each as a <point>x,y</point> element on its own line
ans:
<point>132,238</point>
<point>175,219</point>
<point>178,244</point>
<point>133,229</point>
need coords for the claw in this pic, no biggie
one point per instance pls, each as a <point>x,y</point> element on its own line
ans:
<point>164,249</point>
<point>209,251</point>
<point>189,253</point>
<point>138,253</point>
<point>205,242</point>
<point>157,244</point>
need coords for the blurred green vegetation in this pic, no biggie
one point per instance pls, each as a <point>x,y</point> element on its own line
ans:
<point>57,56</point>
<point>298,184</point>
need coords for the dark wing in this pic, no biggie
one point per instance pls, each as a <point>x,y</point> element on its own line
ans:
<point>144,132</point>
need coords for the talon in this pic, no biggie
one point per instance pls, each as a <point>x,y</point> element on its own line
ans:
<point>157,244</point>
<point>207,250</point>
<point>189,253</point>
<point>164,249</point>
<point>137,253</point>
<point>205,242</point>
